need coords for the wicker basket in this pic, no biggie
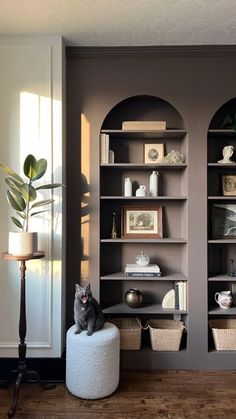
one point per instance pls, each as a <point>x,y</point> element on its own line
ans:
<point>130,333</point>
<point>165,335</point>
<point>224,334</point>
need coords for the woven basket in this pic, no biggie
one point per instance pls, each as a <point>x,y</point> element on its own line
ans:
<point>224,334</point>
<point>165,335</point>
<point>130,333</point>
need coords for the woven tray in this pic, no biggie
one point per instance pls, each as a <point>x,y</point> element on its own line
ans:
<point>224,334</point>
<point>165,335</point>
<point>130,333</point>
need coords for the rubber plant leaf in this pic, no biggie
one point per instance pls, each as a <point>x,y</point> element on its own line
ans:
<point>30,166</point>
<point>28,192</point>
<point>41,203</point>
<point>17,222</point>
<point>16,201</point>
<point>49,186</point>
<point>11,172</point>
<point>41,169</point>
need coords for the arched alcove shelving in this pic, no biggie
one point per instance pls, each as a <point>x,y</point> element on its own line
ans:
<point>221,198</point>
<point>170,252</point>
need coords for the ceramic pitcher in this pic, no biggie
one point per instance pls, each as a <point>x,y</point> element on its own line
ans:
<point>224,299</point>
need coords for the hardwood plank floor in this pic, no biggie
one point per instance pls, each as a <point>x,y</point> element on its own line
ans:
<point>141,395</point>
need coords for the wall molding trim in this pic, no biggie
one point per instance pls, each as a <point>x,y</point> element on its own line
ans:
<point>152,51</point>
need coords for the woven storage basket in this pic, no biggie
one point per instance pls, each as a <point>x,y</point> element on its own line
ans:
<point>224,334</point>
<point>165,335</point>
<point>130,333</point>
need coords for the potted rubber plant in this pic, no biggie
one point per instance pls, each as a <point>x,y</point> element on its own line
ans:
<point>22,196</point>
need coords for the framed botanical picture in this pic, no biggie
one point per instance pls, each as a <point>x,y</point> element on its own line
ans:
<point>153,153</point>
<point>142,222</point>
<point>229,185</point>
<point>223,221</point>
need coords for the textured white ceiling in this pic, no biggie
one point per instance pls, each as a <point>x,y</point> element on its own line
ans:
<point>123,22</point>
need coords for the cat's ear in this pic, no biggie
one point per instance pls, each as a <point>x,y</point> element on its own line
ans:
<point>77,287</point>
<point>88,287</point>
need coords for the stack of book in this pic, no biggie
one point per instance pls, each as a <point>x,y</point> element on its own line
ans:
<point>144,125</point>
<point>104,148</point>
<point>149,271</point>
<point>180,295</point>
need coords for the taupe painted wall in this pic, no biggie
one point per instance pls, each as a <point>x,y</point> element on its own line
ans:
<point>196,82</point>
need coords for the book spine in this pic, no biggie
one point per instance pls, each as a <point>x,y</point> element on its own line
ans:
<point>176,295</point>
<point>103,148</point>
<point>107,141</point>
<point>185,295</point>
<point>181,296</point>
<point>143,274</point>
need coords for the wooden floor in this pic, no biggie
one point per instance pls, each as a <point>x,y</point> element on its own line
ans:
<point>141,395</point>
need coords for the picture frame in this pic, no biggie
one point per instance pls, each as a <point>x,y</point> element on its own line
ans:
<point>223,217</point>
<point>229,185</point>
<point>153,153</point>
<point>142,222</point>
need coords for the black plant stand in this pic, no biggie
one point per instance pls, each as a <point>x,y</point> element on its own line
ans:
<point>22,373</point>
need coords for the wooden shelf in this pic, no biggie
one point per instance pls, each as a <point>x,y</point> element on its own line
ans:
<point>221,198</point>
<point>122,308</point>
<point>222,165</point>
<point>144,134</point>
<point>221,133</point>
<point>222,277</point>
<point>222,241</point>
<point>161,241</point>
<point>120,276</point>
<point>217,311</point>
<point>144,166</point>
<point>146,198</point>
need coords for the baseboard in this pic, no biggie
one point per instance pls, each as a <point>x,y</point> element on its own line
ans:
<point>50,369</point>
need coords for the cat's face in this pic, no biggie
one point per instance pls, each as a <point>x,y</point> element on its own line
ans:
<point>83,294</point>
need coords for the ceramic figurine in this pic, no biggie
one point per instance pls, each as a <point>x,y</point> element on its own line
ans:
<point>227,152</point>
<point>174,157</point>
<point>141,191</point>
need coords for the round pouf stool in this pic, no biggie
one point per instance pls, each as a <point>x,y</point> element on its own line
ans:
<point>93,362</point>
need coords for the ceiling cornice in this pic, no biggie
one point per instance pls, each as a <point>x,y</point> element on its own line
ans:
<point>152,51</point>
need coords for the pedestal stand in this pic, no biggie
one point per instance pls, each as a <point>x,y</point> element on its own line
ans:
<point>21,373</point>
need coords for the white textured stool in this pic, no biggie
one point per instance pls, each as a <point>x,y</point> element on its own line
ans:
<point>93,362</point>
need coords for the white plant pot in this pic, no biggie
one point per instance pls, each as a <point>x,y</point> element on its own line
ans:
<point>22,243</point>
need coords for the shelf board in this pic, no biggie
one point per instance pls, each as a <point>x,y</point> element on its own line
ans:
<point>217,311</point>
<point>147,198</point>
<point>222,165</point>
<point>144,166</point>
<point>122,308</point>
<point>222,277</point>
<point>145,134</point>
<point>222,241</point>
<point>221,133</point>
<point>162,241</point>
<point>120,276</point>
<point>221,198</point>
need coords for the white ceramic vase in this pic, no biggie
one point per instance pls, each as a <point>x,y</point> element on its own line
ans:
<point>153,184</point>
<point>22,243</point>
<point>224,299</point>
<point>128,187</point>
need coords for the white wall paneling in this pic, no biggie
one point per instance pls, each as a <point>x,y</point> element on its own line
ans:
<point>31,80</point>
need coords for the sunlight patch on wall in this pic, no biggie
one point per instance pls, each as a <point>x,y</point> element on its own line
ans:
<point>85,195</point>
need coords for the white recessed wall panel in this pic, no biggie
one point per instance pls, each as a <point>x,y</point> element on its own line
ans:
<point>31,122</point>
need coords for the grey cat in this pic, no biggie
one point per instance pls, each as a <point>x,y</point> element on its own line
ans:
<point>87,312</point>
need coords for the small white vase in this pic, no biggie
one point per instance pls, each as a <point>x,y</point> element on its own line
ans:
<point>153,184</point>
<point>128,187</point>
<point>22,243</point>
<point>141,191</point>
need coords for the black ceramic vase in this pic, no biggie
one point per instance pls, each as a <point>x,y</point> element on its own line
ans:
<point>133,298</point>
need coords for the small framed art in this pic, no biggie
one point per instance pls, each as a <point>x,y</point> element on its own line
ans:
<point>229,185</point>
<point>153,153</point>
<point>142,222</point>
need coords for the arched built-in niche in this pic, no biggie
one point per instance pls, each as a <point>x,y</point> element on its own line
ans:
<point>221,205</point>
<point>170,251</point>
